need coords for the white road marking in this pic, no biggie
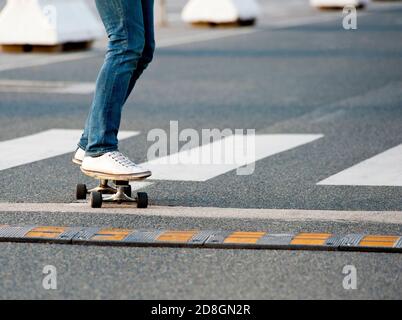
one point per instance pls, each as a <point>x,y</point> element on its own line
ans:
<point>388,217</point>
<point>300,21</point>
<point>46,59</point>
<point>210,35</point>
<point>43,145</point>
<point>384,169</point>
<point>186,165</point>
<point>27,86</point>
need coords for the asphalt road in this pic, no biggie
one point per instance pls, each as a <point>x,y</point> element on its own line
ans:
<point>169,273</point>
<point>314,78</point>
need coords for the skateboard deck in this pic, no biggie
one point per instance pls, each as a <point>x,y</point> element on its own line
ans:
<point>119,191</point>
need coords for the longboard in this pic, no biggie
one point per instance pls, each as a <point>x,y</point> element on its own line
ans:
<point>119,191</point>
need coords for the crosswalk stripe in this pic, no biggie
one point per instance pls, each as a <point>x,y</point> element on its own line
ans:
<point>43,145</point>
<point>27,86</point>
<point>190,169</point>
<point>384,169</point>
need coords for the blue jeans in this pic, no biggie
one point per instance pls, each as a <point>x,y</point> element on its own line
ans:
<point>130,28</point>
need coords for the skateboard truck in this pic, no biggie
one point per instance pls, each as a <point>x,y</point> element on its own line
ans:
<point>119,192</point>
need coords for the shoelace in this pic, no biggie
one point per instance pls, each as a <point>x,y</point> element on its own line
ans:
<point>122,159</point>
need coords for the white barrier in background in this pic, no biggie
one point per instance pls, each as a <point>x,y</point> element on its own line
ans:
<point>47,22</point>
<point>220,11</point>
<point>161,15</point>
<point>338,3</point>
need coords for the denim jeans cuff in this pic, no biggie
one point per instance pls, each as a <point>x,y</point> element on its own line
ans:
<point>99,152</point>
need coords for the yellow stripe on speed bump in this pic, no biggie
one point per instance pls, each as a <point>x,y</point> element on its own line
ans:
<point>244,237</point>
<point>176,236</point>
<point>45,232</point>
<point>310,239</point>
<point>111,234</point>
<point>379,241</point>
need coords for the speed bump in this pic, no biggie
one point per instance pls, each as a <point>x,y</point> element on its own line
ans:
<point>56,234</point>
<point>275,241</point>
<point>127,237</point>
<point>45,232</point>
<point>201,238</point>
<point>243,239</point>
<point>311,241</point>
<point>105,236</point>
<point>344,241</point>
<point>38,234</point>
<point>14,232</point>
<point>85,234</point>
<point>176,236</point>
<point>111,234</point>
<point>192,238</point>
<point>398,245</point>
<point>144,237</point>
<point>377,243</point>
<point>217,239</point>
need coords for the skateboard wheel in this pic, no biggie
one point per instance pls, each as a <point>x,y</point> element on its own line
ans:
<point>96,199</point>
<point>81,192</point>
<point>127,190</point>
<point>142,200</point>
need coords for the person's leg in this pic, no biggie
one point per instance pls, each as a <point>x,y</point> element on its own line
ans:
<point>149,48</point>
<point>82,144</point>
<point>124,23</point>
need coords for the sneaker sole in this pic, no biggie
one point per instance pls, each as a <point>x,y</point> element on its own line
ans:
<point>118,177</point>
<point>76,161</point>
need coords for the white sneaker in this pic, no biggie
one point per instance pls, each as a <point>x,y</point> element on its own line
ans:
<point>79,156</point>
<point>113,165</point>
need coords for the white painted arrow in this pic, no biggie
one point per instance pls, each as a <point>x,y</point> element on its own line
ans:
<point>43,145</point>
<point>190,168</point>
<point>384,169</point>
